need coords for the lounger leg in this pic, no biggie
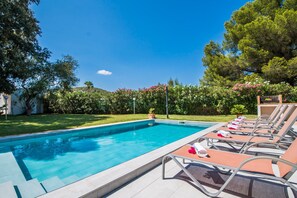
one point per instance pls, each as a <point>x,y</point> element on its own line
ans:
<point>225,172</point>
<point>163,166</point>
<point>207,141</point>
<point>198,184</point>
<point>234,148</point>
<point>211,144</point>
<point>290,185</point>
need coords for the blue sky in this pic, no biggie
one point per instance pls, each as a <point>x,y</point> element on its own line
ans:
<point>138,42</point>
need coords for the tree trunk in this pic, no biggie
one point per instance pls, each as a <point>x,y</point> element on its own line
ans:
<point>28,107</point>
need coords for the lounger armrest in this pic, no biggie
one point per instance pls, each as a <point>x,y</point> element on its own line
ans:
<point>256,143</point>
<point>273,127</point>
<point>265,122</point>
<point>273,159</point>
<point>279,136</point>
<point>276,135</point>
<point>200,139</point>
<point>264,126</point>
<point>270,129</point>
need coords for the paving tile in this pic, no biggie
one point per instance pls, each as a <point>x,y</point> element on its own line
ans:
<point>141,183</point>
<point>7,190</point>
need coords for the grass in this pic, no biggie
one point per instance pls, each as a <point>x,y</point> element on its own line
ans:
<point>16,125</point>
<point>214,118</point>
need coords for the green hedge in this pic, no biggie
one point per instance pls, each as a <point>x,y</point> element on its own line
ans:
<point>78,102</point>
<point>187,100</point>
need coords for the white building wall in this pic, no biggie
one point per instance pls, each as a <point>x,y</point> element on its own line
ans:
<point>17,106</point>
<point>2,102</point>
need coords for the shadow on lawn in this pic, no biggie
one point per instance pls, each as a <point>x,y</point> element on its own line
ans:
<point>39,123</point>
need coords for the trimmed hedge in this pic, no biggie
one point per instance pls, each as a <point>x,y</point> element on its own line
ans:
<point>186,100</point>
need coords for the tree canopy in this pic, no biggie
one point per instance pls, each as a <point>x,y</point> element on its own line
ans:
<point>260,42</point>
<point>24,63</point>
<point>89,85</point>
<point>41,78</point>
<point>18,42</point>
<point>173,83</point>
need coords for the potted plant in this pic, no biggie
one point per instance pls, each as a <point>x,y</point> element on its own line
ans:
<point>238,110</point>
<point>268,99</point>
<point>151,114</point>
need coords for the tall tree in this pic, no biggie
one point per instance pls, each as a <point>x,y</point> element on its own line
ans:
<point>172,83</point>
<point>64,77</point>
<point>89,85</point>
<point>18,42</point>
<point>41,78</point>
<point>260,40</point>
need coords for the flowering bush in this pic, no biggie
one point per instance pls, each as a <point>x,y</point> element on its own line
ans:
<point>121,101</point>
<point>247,94</point>
<point>187,100</point>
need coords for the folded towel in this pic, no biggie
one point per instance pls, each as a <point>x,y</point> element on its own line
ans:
<point>233,127</point>
<point>200,150</point>
<point>238,120</point>
<point>222,133</point>
<point>235,123</point>
<point>192,150</point>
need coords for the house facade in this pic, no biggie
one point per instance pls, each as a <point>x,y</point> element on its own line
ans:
<point>16,106</point>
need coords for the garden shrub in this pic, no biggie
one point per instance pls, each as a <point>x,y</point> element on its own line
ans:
<point>186,100</point>
<point>121,101</point>
<point>78,102</point>
<point>238,110</point>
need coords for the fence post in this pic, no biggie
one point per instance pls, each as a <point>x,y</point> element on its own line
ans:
<point>167,102</point>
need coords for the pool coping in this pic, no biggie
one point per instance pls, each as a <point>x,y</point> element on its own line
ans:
<point>106,181</point>
<point>58,131</point>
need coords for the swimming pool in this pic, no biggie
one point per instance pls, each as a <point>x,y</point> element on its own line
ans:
<point>57,159</point>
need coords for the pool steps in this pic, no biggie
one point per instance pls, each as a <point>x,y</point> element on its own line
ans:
<point>33,188</point>
<point>52,183</point>
<point>30,189</point>
<point>13,183</point>
<point>70,179</point>
<point>10,170</point>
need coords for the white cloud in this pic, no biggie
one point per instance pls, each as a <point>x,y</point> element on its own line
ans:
<point>104,72</point>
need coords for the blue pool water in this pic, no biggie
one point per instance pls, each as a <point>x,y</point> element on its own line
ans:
<point>81,153</point>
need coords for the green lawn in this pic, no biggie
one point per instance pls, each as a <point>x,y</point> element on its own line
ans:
<point>37,123</point>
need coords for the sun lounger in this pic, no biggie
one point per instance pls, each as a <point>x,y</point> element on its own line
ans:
<point>258,166</point>
<point>268,123</point>
<point>245,140</point>
<point>260,124</point>
<point>266,119</point>
<point>268,129</point>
